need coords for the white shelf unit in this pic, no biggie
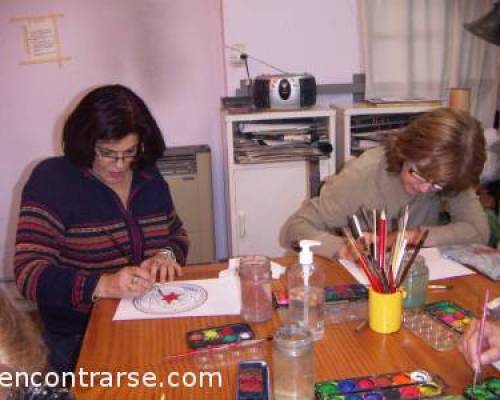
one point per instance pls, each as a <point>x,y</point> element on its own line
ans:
<point>362,117</point>
<point>261,196</point>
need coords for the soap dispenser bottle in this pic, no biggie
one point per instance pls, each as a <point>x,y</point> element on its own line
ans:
<point>306,292</point>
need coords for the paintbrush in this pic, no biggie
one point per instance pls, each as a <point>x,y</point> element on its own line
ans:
<point>119,247</point>
<point>357,233</point>
<point>360,326</point>
<point>219,348</point>
<point>366,219</point>
<point>368,269</point>
<point>438,287</point>
<point>477,371</point>
<point>404,270</point>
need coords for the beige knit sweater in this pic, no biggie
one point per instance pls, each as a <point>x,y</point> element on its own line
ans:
<point>364,181</point>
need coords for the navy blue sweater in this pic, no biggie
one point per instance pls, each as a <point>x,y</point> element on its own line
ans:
<point>72,228</point>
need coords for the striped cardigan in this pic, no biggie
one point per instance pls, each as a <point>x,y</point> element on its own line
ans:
<point>72,228</point>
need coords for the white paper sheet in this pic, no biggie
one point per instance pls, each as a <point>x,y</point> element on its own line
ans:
<point>439,267</point>
<point>224,298</point>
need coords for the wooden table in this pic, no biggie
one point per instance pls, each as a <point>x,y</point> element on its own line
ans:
<point>141,346</point>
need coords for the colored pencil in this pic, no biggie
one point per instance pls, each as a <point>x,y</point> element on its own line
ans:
<point>382,234</point>
<point>365,265</point>
<point>477,371</point>
<point>404,270</point>
<point>374,216</point>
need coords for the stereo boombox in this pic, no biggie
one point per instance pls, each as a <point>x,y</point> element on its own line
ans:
<point>284,91</point>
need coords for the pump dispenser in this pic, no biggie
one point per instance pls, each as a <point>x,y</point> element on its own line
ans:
<point>306,291</point>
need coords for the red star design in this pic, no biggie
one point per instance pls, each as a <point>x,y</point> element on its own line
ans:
<point>170,297</point>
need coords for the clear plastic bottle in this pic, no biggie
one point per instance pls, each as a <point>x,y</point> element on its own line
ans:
<point>306,292</point>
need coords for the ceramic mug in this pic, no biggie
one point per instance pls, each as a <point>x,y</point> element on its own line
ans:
<point>385,311</point>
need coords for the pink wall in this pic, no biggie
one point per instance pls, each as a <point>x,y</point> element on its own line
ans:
<point>169,51</point>
<point>315,36</point>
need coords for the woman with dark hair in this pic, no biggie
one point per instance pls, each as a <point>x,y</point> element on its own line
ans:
<point>97,222</point>
<point>437,158</point>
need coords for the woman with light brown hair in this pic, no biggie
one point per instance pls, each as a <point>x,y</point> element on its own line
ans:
<point>23,353</point>
<point>436,159</point>
<point>21,347</point>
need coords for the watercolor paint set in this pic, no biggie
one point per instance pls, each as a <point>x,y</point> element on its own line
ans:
<point>439,324</point>
<point>218,335</point>
<point>418,384</point>
<point>488,389</point>
<point>433,332</point>
<point>452,315</point>
<point>333,294</point>
<point>253,380</point>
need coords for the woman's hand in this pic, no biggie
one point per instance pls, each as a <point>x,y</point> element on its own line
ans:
<point>129,281</point>
<point>490,352</point>
<point>163,265</point>
<point>347,252</point>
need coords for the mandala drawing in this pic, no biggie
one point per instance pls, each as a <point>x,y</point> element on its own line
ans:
<point>171,298</point>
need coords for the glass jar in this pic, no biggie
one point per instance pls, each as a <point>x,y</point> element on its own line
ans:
<point>416,283</point>
<point>255,279</point>
<point>293,363</point>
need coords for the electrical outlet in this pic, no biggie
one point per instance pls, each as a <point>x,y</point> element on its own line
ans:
<point>234,55</point>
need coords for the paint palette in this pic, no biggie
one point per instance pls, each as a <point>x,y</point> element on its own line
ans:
<point>333,294</point>
<point>437,335</point>
<point>253,380</point>
<point>217,335</point>
<point>450,314</point>
<point>488,389</point>
<point>417,384</point>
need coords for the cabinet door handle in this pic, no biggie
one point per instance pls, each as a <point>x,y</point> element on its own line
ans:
<point>241,224</point>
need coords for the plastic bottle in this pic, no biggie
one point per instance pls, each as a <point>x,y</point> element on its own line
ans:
<point>306,292</point>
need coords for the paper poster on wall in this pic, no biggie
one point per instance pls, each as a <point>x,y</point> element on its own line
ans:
<point>40,36</point>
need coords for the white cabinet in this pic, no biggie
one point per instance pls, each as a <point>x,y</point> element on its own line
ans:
<point>360,126</point>
<point>265,185</point>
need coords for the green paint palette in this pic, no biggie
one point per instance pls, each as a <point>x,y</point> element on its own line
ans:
<point>488,389</point>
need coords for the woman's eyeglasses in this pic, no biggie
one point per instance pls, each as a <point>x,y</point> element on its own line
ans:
<point>115,156</point>
<point>435,186</point>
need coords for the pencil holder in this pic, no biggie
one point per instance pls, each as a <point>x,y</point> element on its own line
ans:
<point>385,311</point>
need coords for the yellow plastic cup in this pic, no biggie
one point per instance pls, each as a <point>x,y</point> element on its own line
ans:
<point>385,311</point>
